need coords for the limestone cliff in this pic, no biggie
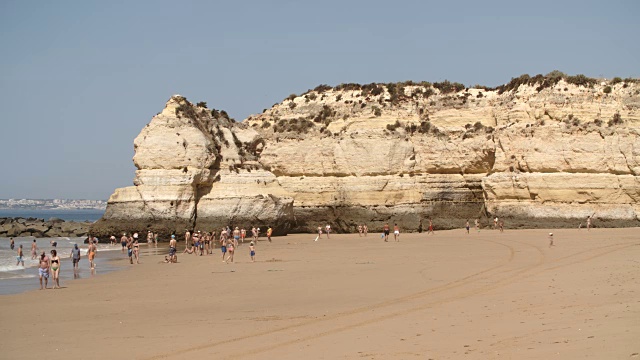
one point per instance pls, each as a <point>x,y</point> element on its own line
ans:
<point>542,151</point>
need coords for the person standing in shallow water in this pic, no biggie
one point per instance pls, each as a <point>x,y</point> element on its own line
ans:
<point>20,256</point>
<point>75,257</point>
<point>34,250</point>
<point>12,244</point>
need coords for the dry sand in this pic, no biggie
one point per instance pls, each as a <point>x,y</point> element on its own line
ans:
<point>486,295</point>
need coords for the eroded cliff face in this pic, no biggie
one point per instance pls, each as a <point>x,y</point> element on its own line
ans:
<point>535,157</point>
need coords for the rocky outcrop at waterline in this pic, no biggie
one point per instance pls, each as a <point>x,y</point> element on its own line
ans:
<point>36,227</point>
<point>542,151</point>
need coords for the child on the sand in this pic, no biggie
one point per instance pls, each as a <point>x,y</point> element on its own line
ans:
<point>252,252</point>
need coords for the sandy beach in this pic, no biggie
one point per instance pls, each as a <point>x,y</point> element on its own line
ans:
<point>486,295</point>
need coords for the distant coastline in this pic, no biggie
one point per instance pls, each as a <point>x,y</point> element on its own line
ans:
<point>52,205</point>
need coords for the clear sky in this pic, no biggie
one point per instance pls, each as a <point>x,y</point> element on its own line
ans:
<point>80,79</point>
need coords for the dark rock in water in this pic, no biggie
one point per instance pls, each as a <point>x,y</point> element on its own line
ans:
<point>16,227</point>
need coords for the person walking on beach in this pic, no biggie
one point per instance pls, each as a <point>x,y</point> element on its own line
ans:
<point>495,223</point>
<point>467,226</point>
<point>236,235</point>
<point>365,230</point>
<point>187,238</point>
<point>385,232</point>
<point>588,224</point>
<point>396,233</point>
<point>551,240</point>
<point>223,246</point>
<point>12,244</point>
<point>206,239</point>
<point>34,250</point>
<point>20,256</point>
<point>243,234</point>
<point>75,257</point>
<point>360,230</point>
<point>230,250</point>
<point>149,238</point>
<point>269,232</point>
<point>477,223</point>
<point>136,250</point>
<point>55,269</point>
<point>430,231</point>
<point>252,252</point>
<point>91,253</point>
<point>327,229</point>
<point>319,233</point>
<point>501,225</point>
<point>43,270</point>
<point>130,250</point>
<point>254,233</point>
<point>173,244</point>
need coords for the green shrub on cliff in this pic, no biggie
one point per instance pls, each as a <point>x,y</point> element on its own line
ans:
<point>447,86</point>
<point>546,81</point>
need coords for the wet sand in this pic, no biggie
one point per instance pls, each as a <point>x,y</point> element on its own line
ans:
<point>486,295</point>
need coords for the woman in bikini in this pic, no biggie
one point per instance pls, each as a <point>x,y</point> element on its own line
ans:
<point>230,249</point>
<point>55,269</point>
<point>136,250</point>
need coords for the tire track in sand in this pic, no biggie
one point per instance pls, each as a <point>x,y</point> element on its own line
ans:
<point>450,285</point>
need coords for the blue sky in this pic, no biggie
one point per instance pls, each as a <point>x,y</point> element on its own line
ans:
<point>80,79</point>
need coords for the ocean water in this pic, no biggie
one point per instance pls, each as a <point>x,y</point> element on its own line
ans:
<point>17,278</point>
<point>66,215</point>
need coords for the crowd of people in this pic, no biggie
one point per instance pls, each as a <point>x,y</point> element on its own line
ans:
<point>200,243</point>
<point>228,239</point>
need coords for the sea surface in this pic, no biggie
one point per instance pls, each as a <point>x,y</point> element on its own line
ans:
<point>90,215</point>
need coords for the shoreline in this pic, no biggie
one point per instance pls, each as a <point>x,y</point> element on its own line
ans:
<point>487,294</point>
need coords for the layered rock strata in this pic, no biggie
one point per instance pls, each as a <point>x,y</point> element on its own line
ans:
<point>534,155</point>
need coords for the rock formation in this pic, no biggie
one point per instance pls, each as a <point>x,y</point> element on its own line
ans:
<point>18,227</point>
<point>542,151</point>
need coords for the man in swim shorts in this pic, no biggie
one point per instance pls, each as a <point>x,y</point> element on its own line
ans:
<point>385,231</point>
<point>236,236</point>
<point>123,241</point>
<point>75,255</point>
<point>173,258</point>
<point>223,246</point>
<point>43,270</point>
<point>20,256</point>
